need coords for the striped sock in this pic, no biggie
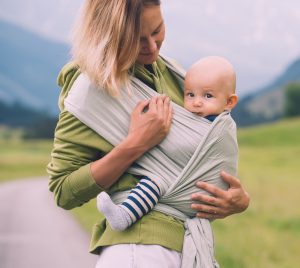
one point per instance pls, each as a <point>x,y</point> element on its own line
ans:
<point>141,199</point>
<point>138,203</point>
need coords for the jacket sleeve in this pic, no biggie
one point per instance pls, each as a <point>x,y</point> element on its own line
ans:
<point>75,147</point>
<point>69,169</point>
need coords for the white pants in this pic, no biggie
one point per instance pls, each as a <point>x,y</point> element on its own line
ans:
<point>138,256</point>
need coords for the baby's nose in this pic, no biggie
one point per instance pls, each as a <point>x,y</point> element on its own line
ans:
<point>198,102</point>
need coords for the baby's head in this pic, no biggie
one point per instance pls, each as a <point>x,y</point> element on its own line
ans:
<point>209,87</point>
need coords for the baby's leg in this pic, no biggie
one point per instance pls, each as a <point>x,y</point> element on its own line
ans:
<point>138,203</point>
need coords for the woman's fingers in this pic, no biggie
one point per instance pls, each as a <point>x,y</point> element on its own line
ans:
<point>160,106</point>
<point>140,107</point>
<point>215,191</point>
<point>150,122</point>
<point>210,216</point>
<point>210,210</point>
<point>153,104</point>
<point>170,115</point>
<point>231,180</point>
<point>221,202</point>
<point>207,199</point>
<point>167,111</point>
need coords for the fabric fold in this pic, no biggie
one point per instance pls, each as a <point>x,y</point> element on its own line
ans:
<point>198,248</point>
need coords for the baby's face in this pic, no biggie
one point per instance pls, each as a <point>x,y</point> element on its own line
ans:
<point>204,97</point>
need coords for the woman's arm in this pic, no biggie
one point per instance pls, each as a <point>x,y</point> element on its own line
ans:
<point>223,203</point>
<point>75,146</point>
<point>147,129</point>
<point>78,171</point>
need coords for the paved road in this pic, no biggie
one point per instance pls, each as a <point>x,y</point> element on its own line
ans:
<point>34,233</point>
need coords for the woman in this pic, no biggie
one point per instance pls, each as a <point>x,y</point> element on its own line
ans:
<point>113,39</point>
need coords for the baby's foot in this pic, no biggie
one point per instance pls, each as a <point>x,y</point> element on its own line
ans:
<point>116,215</point>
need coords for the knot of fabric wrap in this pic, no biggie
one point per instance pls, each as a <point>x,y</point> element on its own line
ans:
<point>198,246</point>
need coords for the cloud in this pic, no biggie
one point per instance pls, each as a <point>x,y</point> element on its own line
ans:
<point>260,37</point>
<point>52,19</point>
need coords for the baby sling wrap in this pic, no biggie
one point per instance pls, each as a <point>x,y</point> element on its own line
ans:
<point>195,149</point>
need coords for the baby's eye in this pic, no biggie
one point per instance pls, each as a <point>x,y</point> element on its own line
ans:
<point>190,94</point>
<point>208,95</point>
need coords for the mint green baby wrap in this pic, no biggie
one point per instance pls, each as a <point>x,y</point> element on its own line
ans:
<point>195,149</point>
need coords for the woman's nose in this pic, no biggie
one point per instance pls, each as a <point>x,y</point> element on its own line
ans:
<point>151,45</point>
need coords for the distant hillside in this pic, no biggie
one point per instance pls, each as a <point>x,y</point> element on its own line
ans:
<point>266,104</point>
<point>28,68</point>
<point>282,133</point>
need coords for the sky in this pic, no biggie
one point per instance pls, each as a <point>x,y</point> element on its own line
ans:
<point>260,37</point>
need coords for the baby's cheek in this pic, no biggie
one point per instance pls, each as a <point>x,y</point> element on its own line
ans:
<point>186,104</point>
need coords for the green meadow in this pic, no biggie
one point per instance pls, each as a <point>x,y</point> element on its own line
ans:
<point>22,159</point>
<point>267,235</point>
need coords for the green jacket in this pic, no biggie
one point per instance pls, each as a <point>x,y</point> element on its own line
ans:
<point>76,146</point>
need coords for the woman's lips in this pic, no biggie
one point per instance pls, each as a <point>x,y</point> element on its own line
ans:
<point>146,54</point>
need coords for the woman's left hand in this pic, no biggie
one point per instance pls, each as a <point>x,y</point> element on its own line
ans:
<point>222,203</point>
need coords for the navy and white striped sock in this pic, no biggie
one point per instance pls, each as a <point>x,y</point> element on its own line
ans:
<point>141,199</point>
<point>138,203</point>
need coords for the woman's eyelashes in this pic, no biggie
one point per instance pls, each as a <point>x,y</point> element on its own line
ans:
<point>156,32</point>
<point>158,29</point>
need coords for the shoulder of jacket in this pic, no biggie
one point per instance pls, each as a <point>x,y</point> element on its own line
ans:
<point>67,76</point>
<point>68,70</point>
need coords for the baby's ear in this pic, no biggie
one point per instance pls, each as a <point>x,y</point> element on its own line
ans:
<point>231,102</point>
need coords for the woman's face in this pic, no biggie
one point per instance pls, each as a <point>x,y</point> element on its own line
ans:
<point>152,34</point>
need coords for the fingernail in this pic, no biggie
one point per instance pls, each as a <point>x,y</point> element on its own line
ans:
<point>199,183</point>
<point>193,195</point>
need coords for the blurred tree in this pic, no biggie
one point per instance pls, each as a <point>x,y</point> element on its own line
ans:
<point>41,128</point>
<point>292,100</point>
<point>34,123</point>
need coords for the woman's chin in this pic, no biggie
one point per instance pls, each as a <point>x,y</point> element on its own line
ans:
<point>147,59</point>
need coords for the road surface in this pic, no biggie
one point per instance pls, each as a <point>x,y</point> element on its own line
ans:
<point>35,233</point>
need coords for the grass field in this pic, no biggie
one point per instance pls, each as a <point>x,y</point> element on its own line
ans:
<point>266,235</point>
<point>19,159</point>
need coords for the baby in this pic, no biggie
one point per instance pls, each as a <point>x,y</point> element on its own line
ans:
<point>209,90</point>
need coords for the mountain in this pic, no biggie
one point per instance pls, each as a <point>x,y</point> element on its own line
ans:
<point>30,63</point>
<point>28,68</point>
<point>267,103</point>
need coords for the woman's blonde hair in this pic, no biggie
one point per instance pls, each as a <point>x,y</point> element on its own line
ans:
<point>106,40</point>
